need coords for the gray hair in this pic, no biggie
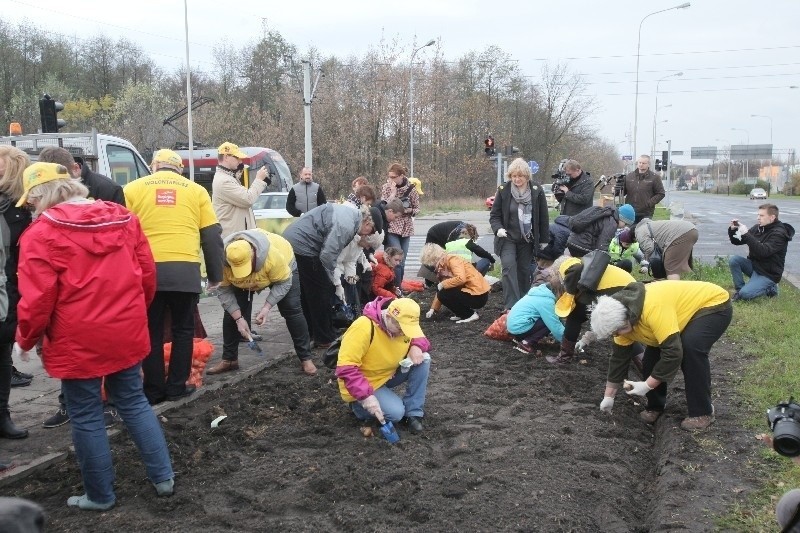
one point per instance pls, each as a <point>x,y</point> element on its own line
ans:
<point>519,166</point>
<point>54,192</point>
<point>607,316</point>
<point>571,164</point>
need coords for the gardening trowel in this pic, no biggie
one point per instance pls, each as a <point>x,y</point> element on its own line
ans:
<point>254,346</point>
<point>389,432</point>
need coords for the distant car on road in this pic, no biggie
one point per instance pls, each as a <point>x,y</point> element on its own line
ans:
<point>758,194</point>
<point>683,187</point>
<point>270,212</point>
<point>489,202</point>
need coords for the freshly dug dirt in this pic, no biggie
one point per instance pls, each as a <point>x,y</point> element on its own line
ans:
<point>511,443</point>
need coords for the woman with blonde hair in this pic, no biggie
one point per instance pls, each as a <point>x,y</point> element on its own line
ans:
<point>13,162</point>
<point>519,220</point>
<point>87,276</point>
<point>461,288</point>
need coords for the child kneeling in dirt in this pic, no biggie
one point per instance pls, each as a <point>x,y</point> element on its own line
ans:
<point>533,317</point>
<point>369,363</point>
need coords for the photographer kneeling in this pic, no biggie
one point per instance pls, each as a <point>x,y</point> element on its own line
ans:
<point>575,193</point>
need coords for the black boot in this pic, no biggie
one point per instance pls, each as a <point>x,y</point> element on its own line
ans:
<point>7,428</point>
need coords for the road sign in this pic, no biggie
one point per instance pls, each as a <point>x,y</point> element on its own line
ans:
<point>704,152</point>
<point>677,152</point>
<point>534,166</point>
<point>627,158</point>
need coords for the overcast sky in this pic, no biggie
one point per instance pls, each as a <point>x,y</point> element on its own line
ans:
<point>739,58</point>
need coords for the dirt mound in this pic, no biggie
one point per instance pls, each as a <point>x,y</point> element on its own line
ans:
<point>511,443</point>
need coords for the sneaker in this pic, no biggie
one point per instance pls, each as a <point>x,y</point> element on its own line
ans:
<point>414,424</point>
<point>473,318</point>
<point>23,375</point>
<point>650,417</point>
<point>522,346</point>
<point>455,317</point>
<point>59,419</point>
<point>19,381</point>
<point>110,416</point>
<point>165,488</point>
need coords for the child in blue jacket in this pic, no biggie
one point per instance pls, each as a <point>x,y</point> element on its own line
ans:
<point>533,317</point>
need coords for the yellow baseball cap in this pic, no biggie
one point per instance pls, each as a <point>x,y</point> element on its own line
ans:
<point>168,157</point>
<point>406,312</point>
<point>39,173</point>
<point>417,185</point>
<point>231,149</point>
<point>239,254</point>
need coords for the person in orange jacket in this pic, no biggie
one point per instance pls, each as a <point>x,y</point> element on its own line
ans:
<point>383,273</point>
<point>461,288</point>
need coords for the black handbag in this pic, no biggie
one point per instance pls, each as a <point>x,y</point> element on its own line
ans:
<point>594,266</point>
<point>656,259</point>
<point>331,356</point>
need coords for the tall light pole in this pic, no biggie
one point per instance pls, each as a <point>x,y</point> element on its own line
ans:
<point>747,161</point>
<point>638,48</point>
<point>769,178</point>
<point>729,165</point>
<point>655,121</point>
<point>411,103</point>
<point>655,115</point>
<point>188,92</point>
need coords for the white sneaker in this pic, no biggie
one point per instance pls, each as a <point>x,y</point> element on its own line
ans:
<point>473,318</point>
<point>455,317</point>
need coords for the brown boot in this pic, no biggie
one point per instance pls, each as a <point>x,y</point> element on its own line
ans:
<point>223,366</point>
<point>564,356</point>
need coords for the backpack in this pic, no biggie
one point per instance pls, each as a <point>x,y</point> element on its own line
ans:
<point>331,356</point>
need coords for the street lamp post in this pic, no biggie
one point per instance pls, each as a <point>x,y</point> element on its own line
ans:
<point>729,164</point>
<point>638,48</point>
<point>411,103</point>
<point>655,127</point>
<point>655,115</point>
<point>769,178</point>
<point>747,161</point>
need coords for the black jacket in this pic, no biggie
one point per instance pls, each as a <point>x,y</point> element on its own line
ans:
<point>559,233</point>
<point>767,247</point>
<point>593,229</point>
<point>17,218</point>
<point>579,196</point>
<point>502,216</point>
<point>444,232</point>
<point>100,187</point>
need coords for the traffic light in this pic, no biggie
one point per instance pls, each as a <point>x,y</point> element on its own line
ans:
<point>658,165</point>
<point>664,160</point>
<point>48,112</point>
<point>489,146</point>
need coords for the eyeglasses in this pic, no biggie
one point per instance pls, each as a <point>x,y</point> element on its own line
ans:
<point>392,176</point>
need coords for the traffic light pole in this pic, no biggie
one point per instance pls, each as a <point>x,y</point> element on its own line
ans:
<point>499,162</point>
<point>668,168</point>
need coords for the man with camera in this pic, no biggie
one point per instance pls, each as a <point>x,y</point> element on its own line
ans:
<point>767,244</point>
<point>573,188</point>
<point>642,188</point>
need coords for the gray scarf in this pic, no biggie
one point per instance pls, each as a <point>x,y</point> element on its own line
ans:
<point>524,208</point>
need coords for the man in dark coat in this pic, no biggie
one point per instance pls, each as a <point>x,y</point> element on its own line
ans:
<point>100,187</point>
<point>578,193</point>
<point>642,189</point>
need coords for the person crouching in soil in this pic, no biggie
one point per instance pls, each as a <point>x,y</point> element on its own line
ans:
<point>461,288</point>
<point>369,368</point>
<point>534,317</point>
<point>383,273</point>
<point>86,276</point>
<point>678,322</point>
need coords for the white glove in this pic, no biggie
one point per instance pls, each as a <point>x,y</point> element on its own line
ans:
<point>588,338</point>
<point>340,292</point>
<point>17,351</point>
<point>368,267</point>
<point>543,245</point>
<point>742,230</point>
<point>607,404</point>
<point>502,233</point>
<point>440,286</point>
<point>637,388</point>
<point>373,407</point>
<point>429,314</point>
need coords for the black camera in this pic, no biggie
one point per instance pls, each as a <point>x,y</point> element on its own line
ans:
<point>784,421</point>
<point>560,177</point>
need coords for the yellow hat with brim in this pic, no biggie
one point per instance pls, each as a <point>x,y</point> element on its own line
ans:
<point>406,312</point>
<point>39,173</point>
<point>168,157</point>
<point>565,305</point>
<point>417,185</point>
<point>231,149</point>
<point>239,254</point>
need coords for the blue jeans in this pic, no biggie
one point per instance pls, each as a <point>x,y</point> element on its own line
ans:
<point>395,408</point>
<point>396,241</point>
<point>85,409</point>
<point>483,266</point>
<point>758,285</point>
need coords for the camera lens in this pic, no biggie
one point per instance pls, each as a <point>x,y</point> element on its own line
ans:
<point>786,437</point>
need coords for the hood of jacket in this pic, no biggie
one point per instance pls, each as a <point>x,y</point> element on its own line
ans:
<point>632,297</point>
<point>373,311</point>
<point>98,227</point>
<point>255,237</point>
<point>777,225</point>
<point>543,292</point>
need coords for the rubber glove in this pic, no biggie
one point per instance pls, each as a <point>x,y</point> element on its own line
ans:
<point>373,407</point>
<point>588,338</point>
<point>340,292</point>
<point>17,351</point>
<point>644,267</point>
<point>742,230</point>
<point>244,329</point>
<point>440,286</point>
<point>429,314</point>
<point>607,404</point>
<point>637,388</point>
<point>543,245</point>
<point>502,233</point>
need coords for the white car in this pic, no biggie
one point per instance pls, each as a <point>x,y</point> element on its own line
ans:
<point>270,212</point>
<point>758,194</point>
<point>552,203</point>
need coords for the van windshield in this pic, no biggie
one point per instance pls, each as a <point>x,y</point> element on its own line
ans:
<point>284,177</point>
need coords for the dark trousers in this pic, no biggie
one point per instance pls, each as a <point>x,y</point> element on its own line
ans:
<point>537,332</point>
<point>5,375</point>
<point>461,303</point>
<point>180,305</point>
<point>230,333</point>
<point>697,338</point>
<point>364,287</point>
<point>624,264</point>
<point>316,293</point>
<point>572,327</point>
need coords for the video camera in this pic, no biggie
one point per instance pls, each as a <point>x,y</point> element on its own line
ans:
<point>605,180</point>
<point>784,421</point>
<point>560,177</point>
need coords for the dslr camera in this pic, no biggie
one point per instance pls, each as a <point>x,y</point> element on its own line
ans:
<point>784,421</point>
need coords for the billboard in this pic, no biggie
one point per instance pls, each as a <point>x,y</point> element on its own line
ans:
<point>751,151</point>
<point>704,152</point>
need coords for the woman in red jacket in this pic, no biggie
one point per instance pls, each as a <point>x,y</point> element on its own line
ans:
<point>383,280</point>
<point>86,275</point>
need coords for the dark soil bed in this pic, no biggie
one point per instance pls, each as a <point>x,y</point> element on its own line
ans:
<point>511,443</point>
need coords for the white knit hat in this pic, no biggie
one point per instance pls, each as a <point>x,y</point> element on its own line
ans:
<point>608,316</point>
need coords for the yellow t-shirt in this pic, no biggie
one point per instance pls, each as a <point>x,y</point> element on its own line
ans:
<point>275,267</point>
<point>172,211</point>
